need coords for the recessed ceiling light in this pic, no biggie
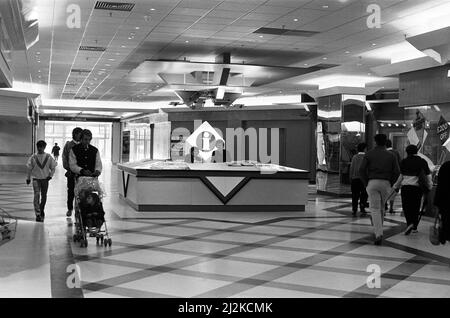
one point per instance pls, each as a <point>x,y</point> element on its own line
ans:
<point>347,52</point>
<point>295,20</point>
<point>359,64</point>
<point>306,64</point>
<point>107,64</point>
<point>325,7</point>
<point>186,41</point>
<point>261,36</point>
<point>325,58</point>
<point>111,59</point>
<point>123,46</point>
<point>39,61</point>
<point>374,44</point>
<point>152,9</point>
<point>137,28</point>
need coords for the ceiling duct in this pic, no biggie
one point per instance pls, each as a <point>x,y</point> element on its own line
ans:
<point>20,22</point>
<point>92,48</point>
<point>114,6</point>
<point>79,70</point>
<point>283,31</point>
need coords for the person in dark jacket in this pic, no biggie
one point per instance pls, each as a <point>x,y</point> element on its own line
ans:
<point>359,192</point>
<point>442,199</point>
<point>410,169</point>
<point>76,136</point>
<point>399,160</point>
<point>379,171</point>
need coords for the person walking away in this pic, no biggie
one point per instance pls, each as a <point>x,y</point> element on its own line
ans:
<point>84,159</point>
<point>411,170</point>
<point>442,199</point>
<point>76,135</point>
<point>399,159</point>
<point>379,170</point>
<point>55,151</point>
<point>359,192</point>
<point>41,167</point>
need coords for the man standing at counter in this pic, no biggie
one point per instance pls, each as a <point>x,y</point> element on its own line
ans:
<point>84,158</point>
<point>221,154</point>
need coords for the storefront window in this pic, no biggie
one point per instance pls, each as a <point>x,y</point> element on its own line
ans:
<point>61,131</point>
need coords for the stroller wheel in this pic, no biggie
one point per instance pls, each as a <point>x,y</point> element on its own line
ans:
<point>109,242</point>
<point>98,240</point>
<point>105,242</point>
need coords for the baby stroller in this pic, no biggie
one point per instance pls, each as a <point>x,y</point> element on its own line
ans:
<point>89,214</point>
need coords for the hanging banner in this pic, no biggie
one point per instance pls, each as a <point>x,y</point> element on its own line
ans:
<point>443,129</point>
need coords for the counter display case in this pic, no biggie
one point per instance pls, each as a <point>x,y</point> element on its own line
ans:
<point>213,187</point>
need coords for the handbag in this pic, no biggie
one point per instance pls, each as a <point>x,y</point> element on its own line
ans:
<point>436,230</point>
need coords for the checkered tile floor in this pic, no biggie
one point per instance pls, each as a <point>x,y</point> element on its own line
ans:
<point>323,252</point>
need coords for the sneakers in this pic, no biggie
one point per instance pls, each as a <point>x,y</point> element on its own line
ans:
<point>69,213</point>
<point>378,240</point>
<point>39,218</point>
<point>409,229</point>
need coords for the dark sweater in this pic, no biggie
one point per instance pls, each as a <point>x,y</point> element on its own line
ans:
<point>379,164</point>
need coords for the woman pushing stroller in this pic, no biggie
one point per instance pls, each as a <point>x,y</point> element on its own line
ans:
<point>85,162</point>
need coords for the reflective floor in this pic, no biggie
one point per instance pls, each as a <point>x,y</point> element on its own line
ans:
<point>323,252</point>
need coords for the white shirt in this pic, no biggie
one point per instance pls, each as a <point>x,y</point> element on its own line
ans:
<point>77,169</point>
<point>34,170</point>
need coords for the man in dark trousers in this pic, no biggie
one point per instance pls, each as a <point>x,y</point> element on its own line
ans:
<point>55,151</point>
<point>379,170</point>
<point>358,189</point>
<point>399,160</point>
<point>84,159</point>
<point>76,135</point>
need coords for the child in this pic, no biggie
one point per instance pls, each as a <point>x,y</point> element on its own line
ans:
<point>92,211</point>
<point>41,166</point>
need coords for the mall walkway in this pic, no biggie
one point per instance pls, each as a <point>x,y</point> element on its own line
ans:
<point>320,253</point>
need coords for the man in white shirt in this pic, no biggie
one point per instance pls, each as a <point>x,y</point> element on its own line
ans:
<point>41,166</point>
<point>84,159</point>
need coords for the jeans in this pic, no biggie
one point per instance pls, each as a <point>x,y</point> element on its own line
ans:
<point>378,191</point>
<point>70,191</point>
<point>40,188</point>
<point>358,194</point>
<point>411,199</point>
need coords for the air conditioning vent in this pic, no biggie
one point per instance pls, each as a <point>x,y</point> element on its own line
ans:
<point>116,6</point>
<point>324,66</point>
<point>92,48</point>
<point>79,70</point>
<point>289,32</point>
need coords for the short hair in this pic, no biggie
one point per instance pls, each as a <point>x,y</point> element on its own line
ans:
<point>76,131</point>
<point>388,143</point>
<point>86,132</point>
<point>412,150</point>
<point>381,139</point>
<point>361,147</point>
<point>41,144</point>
